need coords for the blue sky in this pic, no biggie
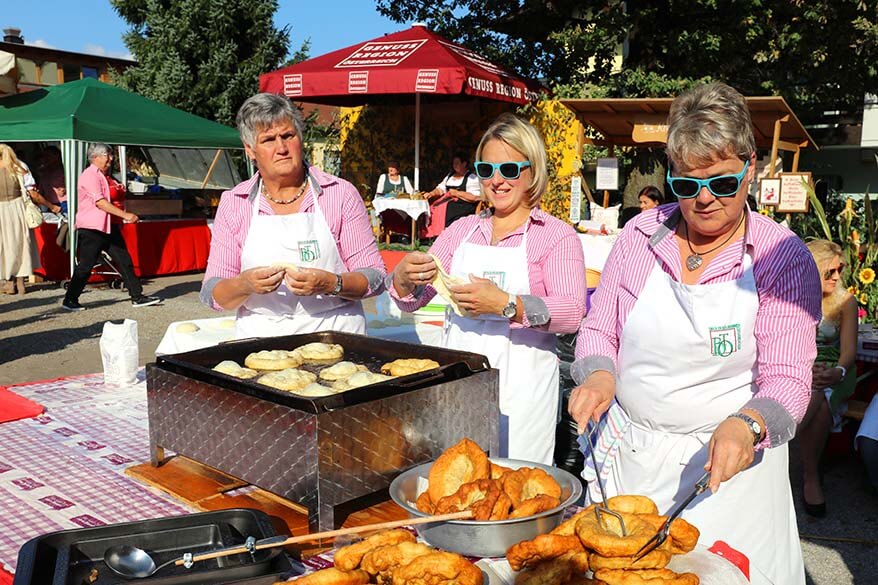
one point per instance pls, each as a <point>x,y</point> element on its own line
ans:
<point>92,26</point>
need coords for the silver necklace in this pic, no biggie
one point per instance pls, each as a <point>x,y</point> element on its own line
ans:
<point>695,260</point>
<point>285,201</point>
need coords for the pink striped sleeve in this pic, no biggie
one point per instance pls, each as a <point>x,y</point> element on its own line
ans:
<point>356,242</point>
<point>559,279</point>
<point>226,241</point>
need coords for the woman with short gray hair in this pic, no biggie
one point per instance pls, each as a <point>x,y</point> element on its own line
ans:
<point>696,355</point>
<point>292,249</point>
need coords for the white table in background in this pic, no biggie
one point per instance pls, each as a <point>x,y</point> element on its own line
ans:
<point>414,208</point>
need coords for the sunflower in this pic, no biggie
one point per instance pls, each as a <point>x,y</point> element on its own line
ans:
<point>863,299</point>
<point>853,290</point>
<point>764,211</point>
<point>867,276</point>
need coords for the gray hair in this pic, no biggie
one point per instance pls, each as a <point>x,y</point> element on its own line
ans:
<point>263,110</point>
<point>96,149</point>
<point>709,122</point>
<point>524,138</point>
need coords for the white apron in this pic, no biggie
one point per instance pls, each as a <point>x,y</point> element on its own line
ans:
<point>305,240</point>
<point>687,360</point>
<point>525,358</point>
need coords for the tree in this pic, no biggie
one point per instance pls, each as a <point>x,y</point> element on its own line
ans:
<point>818,54</point>
<point>202,56</point>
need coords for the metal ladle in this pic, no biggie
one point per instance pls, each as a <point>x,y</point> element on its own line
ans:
<point>135,563</point>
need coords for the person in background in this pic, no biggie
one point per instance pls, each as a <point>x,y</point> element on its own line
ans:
<point>522,270</point>
<point>292,248</point>
<point>51,183</point>
<point>834,372</point>
<point>391,182</point>
<point>96,232</point>
<point>18,250</point>
<point>696,354</point>
<point>649,198</point>
<point>457,196</point>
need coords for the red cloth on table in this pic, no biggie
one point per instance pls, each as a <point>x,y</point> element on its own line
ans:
<point>15,407</point>
<point>156,247</point>
<point>436,223</point>
<point>5,578</point>
<point>117,197</point>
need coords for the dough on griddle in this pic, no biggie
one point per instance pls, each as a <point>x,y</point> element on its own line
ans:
<point>273,359</point>
<point>404,367</point>
<point>341,371</point>
<point>231,368</point>
<point>359,379</point>
<point>315,390</point>
<point>289,380</point>
<point>318,353</point>
<point>442,281</point>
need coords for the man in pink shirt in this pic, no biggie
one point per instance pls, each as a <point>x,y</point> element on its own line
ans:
<point>95,234</point>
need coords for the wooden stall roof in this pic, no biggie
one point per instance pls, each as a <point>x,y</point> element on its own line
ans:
<point>617,118</point>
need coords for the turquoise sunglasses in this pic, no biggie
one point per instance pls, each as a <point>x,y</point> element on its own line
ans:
<point>508,170</point>
<point>721,186</point>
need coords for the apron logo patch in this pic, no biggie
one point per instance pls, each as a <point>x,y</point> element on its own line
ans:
<point>497,277</point>
<point>309,251</point>
<point>724,341</point>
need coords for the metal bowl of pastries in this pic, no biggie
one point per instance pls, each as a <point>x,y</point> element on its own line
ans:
<point>488,538</point>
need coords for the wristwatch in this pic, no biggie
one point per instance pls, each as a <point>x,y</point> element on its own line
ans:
<point>510,309</point>
<point>752,424</point>
<point>338,285</point>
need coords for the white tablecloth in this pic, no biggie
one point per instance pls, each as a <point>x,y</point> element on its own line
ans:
<point>596,249</point>
<point>413,208</point>
<point>210,332</point>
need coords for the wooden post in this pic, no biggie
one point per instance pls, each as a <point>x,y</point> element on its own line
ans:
<point>774,144</point>
<point>210,168</point>
<point>796,159</point>
<point>611,152</point>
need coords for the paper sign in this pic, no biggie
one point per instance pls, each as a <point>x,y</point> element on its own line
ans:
<point>793,192</point>
<point>607,174</point>
<point>575,199</point>
<point>769,191</point>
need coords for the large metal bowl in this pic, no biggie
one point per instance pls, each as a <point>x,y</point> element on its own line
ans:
<point>488,538</point>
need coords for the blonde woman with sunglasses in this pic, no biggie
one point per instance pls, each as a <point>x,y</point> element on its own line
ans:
<point>696,355</point>
<point>834,372</point>
<point>522,282</point>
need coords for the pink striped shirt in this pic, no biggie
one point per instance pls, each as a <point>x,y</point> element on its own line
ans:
<point>787,283</point>
<point>92,188</point>
<point>342,207</point>
<point>555,266</point>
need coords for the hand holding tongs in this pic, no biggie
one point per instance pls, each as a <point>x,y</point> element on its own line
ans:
<point>662,535</point>
<point>599,510</point>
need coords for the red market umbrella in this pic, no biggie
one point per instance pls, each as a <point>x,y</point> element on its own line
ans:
<point>412,61</point>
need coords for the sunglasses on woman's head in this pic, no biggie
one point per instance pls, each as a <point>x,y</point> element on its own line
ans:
<point>508,170</point>
<point>719,186</point>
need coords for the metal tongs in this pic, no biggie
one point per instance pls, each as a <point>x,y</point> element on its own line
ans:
<point>662,535</point>
<point>600,510</point>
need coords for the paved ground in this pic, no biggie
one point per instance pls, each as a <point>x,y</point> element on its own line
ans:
<point>39,341</point>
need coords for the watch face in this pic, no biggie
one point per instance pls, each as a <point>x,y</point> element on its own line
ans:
<point>509,311</point>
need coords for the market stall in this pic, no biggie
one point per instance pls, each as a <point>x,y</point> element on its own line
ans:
<point>87,110</point>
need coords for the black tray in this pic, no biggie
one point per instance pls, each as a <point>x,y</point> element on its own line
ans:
<point>69,556</point>
<point>361,349</point>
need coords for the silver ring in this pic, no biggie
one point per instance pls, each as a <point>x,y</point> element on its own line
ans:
<point>420,276</point>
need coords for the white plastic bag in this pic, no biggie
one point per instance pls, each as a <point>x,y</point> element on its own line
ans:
<point>119,352</point>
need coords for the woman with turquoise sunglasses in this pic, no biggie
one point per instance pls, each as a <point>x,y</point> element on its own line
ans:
<point>515,278</point>
<point>696,355</point>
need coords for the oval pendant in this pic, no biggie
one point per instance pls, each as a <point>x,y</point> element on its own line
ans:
<point>693,262</point>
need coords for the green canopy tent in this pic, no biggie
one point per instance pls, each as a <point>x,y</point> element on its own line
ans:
<point>87,110</point>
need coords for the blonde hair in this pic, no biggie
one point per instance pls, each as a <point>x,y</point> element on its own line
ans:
<point>824,252</point>
<point>524,138</point>
<point>9,161</point>
<point>706,123</point>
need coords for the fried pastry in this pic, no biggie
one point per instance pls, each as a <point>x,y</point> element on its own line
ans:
<point>318,353</point>
<point>534,505</point>
<point>438,568</point>
<point>463,463</point>
<point>632,504</point>
<point>290,380</point>
<point>273,359</point>
<point>605,536</point>
<point>332,576</point>
<point>528,482</point>
<point>349,557</point>
<point>485,498</point>
<point>645,577</point>
<point>404,367</point>
<point>555,571</point>
<point>654,559</point>
<point>358,380</point>
<point>683,535</point>
<point>424,503</point>
<point>568,527</point>
<point>231,368</point>
<point>544,547</point>
<point>498,471</point>
<point>341,371</point>
<point>382,561</point>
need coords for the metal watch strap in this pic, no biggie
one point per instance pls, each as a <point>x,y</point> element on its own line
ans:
<point>752,424</point>
<point>844,371</point>
<point>511,307</point>
<point>339,283</point>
